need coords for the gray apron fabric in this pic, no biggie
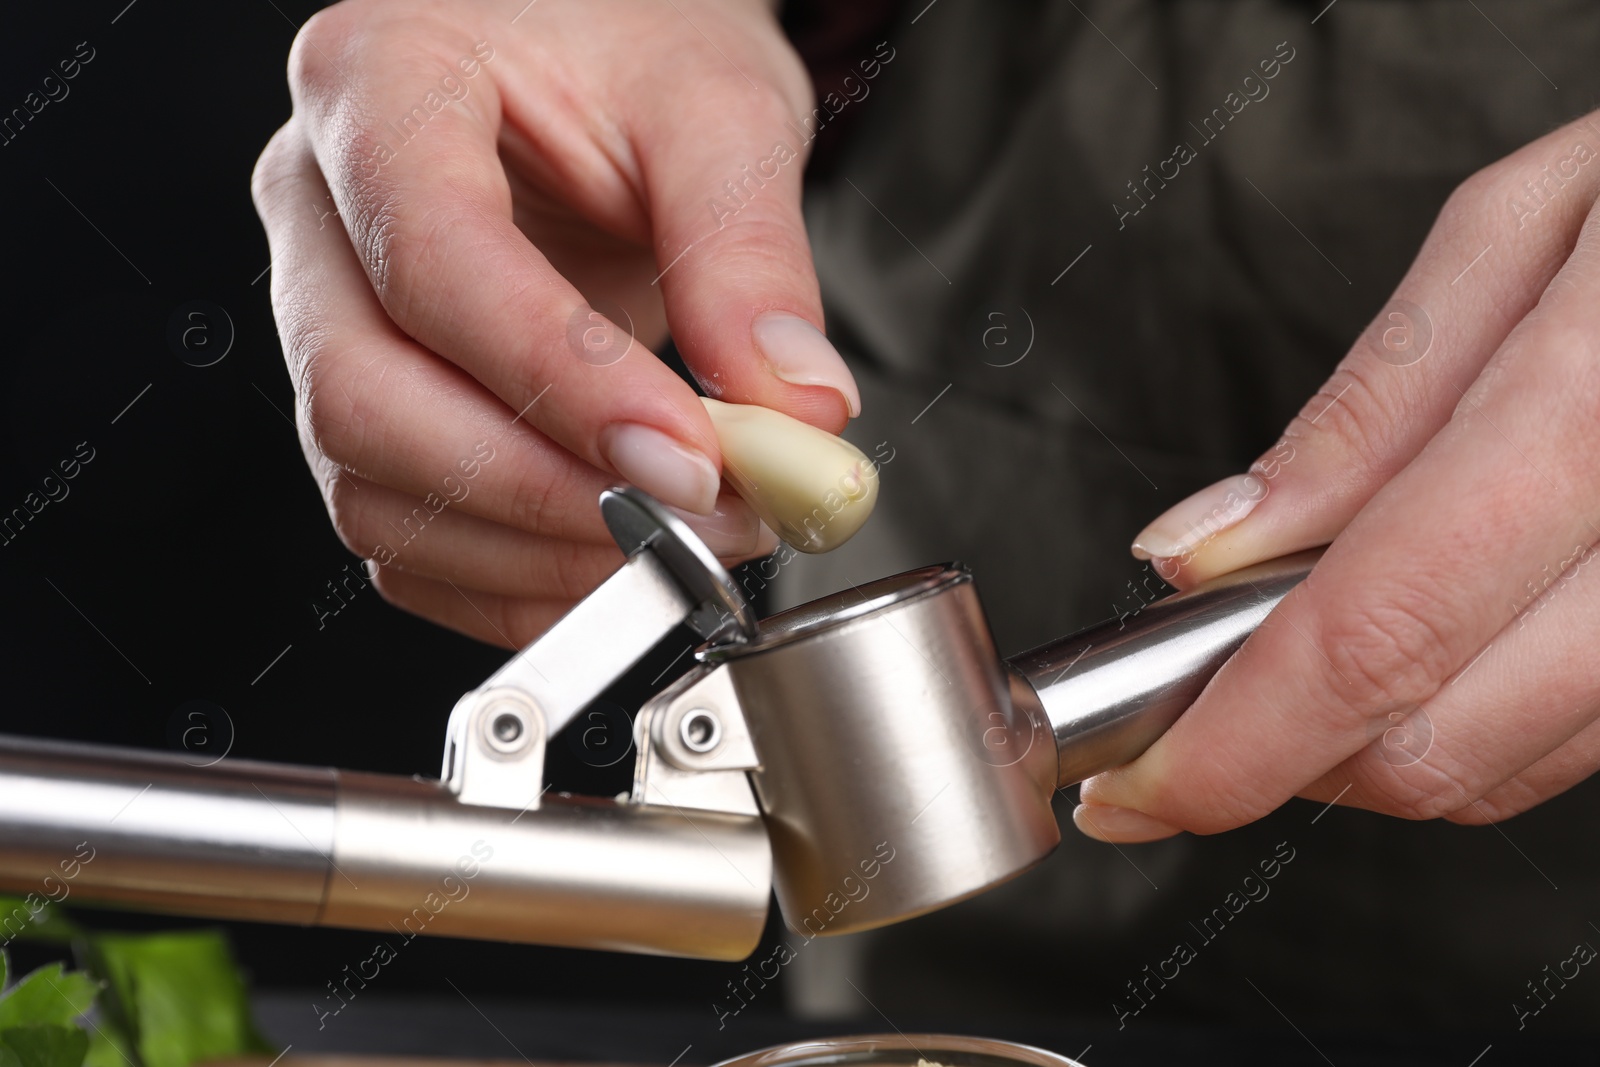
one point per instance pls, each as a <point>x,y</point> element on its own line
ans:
<point>994,152</point>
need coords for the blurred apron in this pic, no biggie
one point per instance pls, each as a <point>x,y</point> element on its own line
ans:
<point>1062,323</point>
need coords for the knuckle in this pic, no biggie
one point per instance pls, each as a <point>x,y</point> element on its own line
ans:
<point>1474,192</point>
<point>1483,813</point>
<point>578,569</point>
<point>762,107</point>
<point>771,248</point>
<point>1421,792</point>
<point>403,246</point>
<point>1347,413</point>
<point>404,251</point>
<point>533,494</point>
<point>1205,801</point>
<point>1503,802</point>
<point>313,63</point>
<point>1227,807</point>
<point>274,168</point>
<point>347,513</point>
<point>1383,647</point>
<point>396,238</point>
<point>1481,197</point>
<point>770,106</point>
<point>338,402</point>
<point>307,337</point>
<point>371,211</point>
<point>1469,817</point>
<point>323,408</point>
<point>1565,343</point>
<point>391,589</point>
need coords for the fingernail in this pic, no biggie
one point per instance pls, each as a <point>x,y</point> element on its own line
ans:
<point>731,529</point>
<point>1195,520</point>
<point>658,463</point>
<point>1124,826</point>
<point>798,353</point>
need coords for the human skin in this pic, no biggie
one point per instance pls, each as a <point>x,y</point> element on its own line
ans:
<point>1439,660</point>
<point>432,281</point>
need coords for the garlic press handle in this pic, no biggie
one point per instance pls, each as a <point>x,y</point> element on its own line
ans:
<point>1110,691</point>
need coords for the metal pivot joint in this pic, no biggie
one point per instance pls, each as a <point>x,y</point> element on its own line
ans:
<point>494,746</point>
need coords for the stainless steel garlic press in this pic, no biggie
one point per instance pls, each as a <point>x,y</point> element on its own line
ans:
<point>870,756</point>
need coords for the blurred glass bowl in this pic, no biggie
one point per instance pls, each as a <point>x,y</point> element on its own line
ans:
<point>901,1050</point>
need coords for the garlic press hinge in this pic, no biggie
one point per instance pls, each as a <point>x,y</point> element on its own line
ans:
<point>497,734</point>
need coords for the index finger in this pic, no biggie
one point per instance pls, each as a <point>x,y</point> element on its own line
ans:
<point>427,205</point>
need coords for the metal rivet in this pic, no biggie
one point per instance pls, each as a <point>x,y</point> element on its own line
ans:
<point>507,732</point>
<point>700,730</point>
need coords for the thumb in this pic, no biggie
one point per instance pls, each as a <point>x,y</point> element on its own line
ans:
<point>737,278</point>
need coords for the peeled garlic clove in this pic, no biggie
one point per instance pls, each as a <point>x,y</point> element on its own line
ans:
<point>813,489</point>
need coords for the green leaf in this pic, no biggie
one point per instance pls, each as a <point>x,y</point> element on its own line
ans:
<point>181,995</point>
<point>45,1046</point>
<point>109,1046</point>
<point>47,996</point>
<point>35,919</point>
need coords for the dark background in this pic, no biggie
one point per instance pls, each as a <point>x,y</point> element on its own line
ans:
<point>184,563</point>
<point>189,551</point>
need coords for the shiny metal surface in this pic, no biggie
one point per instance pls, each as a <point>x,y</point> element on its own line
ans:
<point>670,578</point>
<point>572,662</point>
<point>1111,690</point>
<point>237,840</point>
<point>901,1050</point>
<point>638,521</point>
<point>830,611</point>
<point>897,775</point>
<point>494,749</point>
<point>284,844</point>
<point>671,772</point>
<point>578,872</point>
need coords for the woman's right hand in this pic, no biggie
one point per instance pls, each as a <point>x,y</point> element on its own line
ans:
<point>467,199</point>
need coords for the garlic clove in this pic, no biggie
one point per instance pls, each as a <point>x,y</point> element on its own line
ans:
<point>814,489</point>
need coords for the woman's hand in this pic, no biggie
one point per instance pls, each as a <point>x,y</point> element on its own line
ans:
<point>1440,660</point>
<point>474,211</point>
